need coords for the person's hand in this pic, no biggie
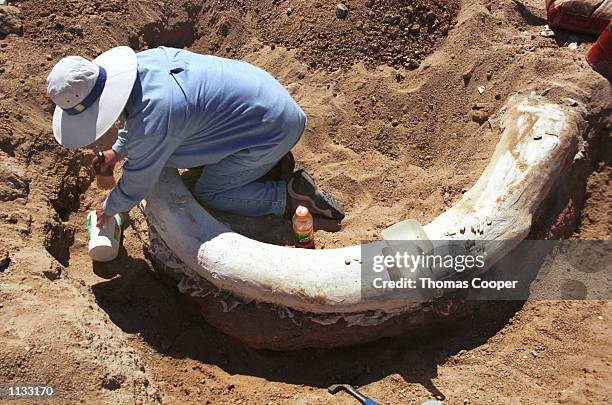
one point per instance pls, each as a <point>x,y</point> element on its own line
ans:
<point>101,216</point>
<point>110,159</point>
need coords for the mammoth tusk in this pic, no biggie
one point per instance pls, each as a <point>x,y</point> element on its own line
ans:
<point>538,140</point>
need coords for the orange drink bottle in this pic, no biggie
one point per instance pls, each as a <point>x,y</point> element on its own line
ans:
<point>303,228</point>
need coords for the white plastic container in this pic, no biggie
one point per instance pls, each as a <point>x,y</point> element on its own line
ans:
<point>104,243</point>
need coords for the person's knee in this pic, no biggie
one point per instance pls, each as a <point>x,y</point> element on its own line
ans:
<point>294,130</point>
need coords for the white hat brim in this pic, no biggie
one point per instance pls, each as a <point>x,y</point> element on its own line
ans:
<point>77,131</point>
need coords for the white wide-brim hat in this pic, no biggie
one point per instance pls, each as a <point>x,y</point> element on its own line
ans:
<point>76,131</point>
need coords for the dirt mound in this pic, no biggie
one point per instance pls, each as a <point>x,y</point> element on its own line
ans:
<point>394,33</point>
<point>390,32</point>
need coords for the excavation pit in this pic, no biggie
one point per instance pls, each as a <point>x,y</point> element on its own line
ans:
<point>392,144</point>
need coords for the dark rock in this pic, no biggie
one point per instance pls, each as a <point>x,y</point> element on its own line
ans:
<point>10,23</point>
<point>77,30</point>
<point>5,262</point>
<point>224,28</point>
<point>411,64</point>
<point>114,382</point>
<point>300,75</point>
<point>479,116</point>
<point>431,17</point>
<point>53,273</point>
<point>341,10</point>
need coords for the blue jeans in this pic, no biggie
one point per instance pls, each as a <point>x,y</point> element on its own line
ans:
<point>231,184</point>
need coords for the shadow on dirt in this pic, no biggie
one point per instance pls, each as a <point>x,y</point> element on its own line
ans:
<point>138,301</point>
<point>178,33</point>
<point>529,16</point>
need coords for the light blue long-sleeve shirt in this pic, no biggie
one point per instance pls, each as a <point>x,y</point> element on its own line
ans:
<point>188,110</point>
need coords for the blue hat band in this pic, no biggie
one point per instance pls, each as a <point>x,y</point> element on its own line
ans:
<point>91,97</point>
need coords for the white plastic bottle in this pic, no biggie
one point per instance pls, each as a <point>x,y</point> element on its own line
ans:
<point>104,243</point>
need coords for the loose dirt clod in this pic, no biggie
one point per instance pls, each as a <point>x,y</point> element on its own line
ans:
<point>53,273</point>
<point>479,115</point>
<point>10,23</point>
<point>13,180</point>
<point>113,382</point>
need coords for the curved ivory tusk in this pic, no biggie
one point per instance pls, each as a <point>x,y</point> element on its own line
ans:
<point>537,139</point>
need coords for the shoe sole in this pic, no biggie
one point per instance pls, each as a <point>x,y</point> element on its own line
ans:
<point>334,211</point>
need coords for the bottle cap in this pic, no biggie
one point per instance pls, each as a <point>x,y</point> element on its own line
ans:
<point>301,211</point>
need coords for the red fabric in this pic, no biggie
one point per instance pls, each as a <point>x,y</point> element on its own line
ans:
<point>574,22</point>
<point>600,54</point>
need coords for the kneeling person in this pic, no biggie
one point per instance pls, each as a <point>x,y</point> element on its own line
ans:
<point>184,110</point>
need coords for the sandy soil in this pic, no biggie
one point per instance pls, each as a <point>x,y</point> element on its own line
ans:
<point>392,137</point>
